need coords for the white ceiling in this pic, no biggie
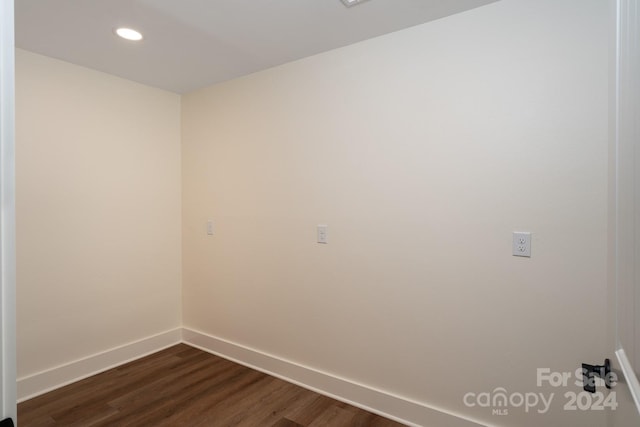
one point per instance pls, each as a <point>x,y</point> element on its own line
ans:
<point>191,44</point>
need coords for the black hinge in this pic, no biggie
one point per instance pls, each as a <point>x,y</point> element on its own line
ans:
<point>589,372</point>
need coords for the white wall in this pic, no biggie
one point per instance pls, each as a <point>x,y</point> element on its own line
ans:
<point>98,207</point>
<point>422,150</point>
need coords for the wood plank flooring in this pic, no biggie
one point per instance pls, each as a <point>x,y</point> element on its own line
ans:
<point>184,386</point>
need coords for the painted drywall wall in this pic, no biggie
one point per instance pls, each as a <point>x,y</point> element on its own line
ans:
<point>98,207</point>
<point>422,150</point>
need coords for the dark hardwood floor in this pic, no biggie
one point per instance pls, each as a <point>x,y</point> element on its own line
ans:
<point>184,386</point>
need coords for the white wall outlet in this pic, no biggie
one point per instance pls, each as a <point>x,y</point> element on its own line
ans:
<point>210,227</point>
<point>522,243</point>
<point>323,233</point>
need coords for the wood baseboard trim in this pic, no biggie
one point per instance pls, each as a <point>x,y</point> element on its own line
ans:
<point>383,403</point>
<point>42,382</point>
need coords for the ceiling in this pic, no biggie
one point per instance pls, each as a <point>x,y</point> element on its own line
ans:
<point>189,44</point>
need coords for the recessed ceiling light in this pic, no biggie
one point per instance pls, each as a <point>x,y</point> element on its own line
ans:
<point>129,34</point>
<point>350,3</point>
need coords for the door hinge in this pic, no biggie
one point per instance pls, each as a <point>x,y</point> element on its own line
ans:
<point>590,372</point>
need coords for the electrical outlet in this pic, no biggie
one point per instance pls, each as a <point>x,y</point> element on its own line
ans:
<point>323,233</point>
<point>522,244</point>
<point>210,227</point>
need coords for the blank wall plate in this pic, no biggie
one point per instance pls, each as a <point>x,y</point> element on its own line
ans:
<point>522,244</point>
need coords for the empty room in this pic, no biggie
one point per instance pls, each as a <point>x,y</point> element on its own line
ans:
<point>290,213</point>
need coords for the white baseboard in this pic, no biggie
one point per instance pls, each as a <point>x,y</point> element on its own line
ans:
<point>51,379</point>
<point>395,407</point>
<point>387,404</point>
